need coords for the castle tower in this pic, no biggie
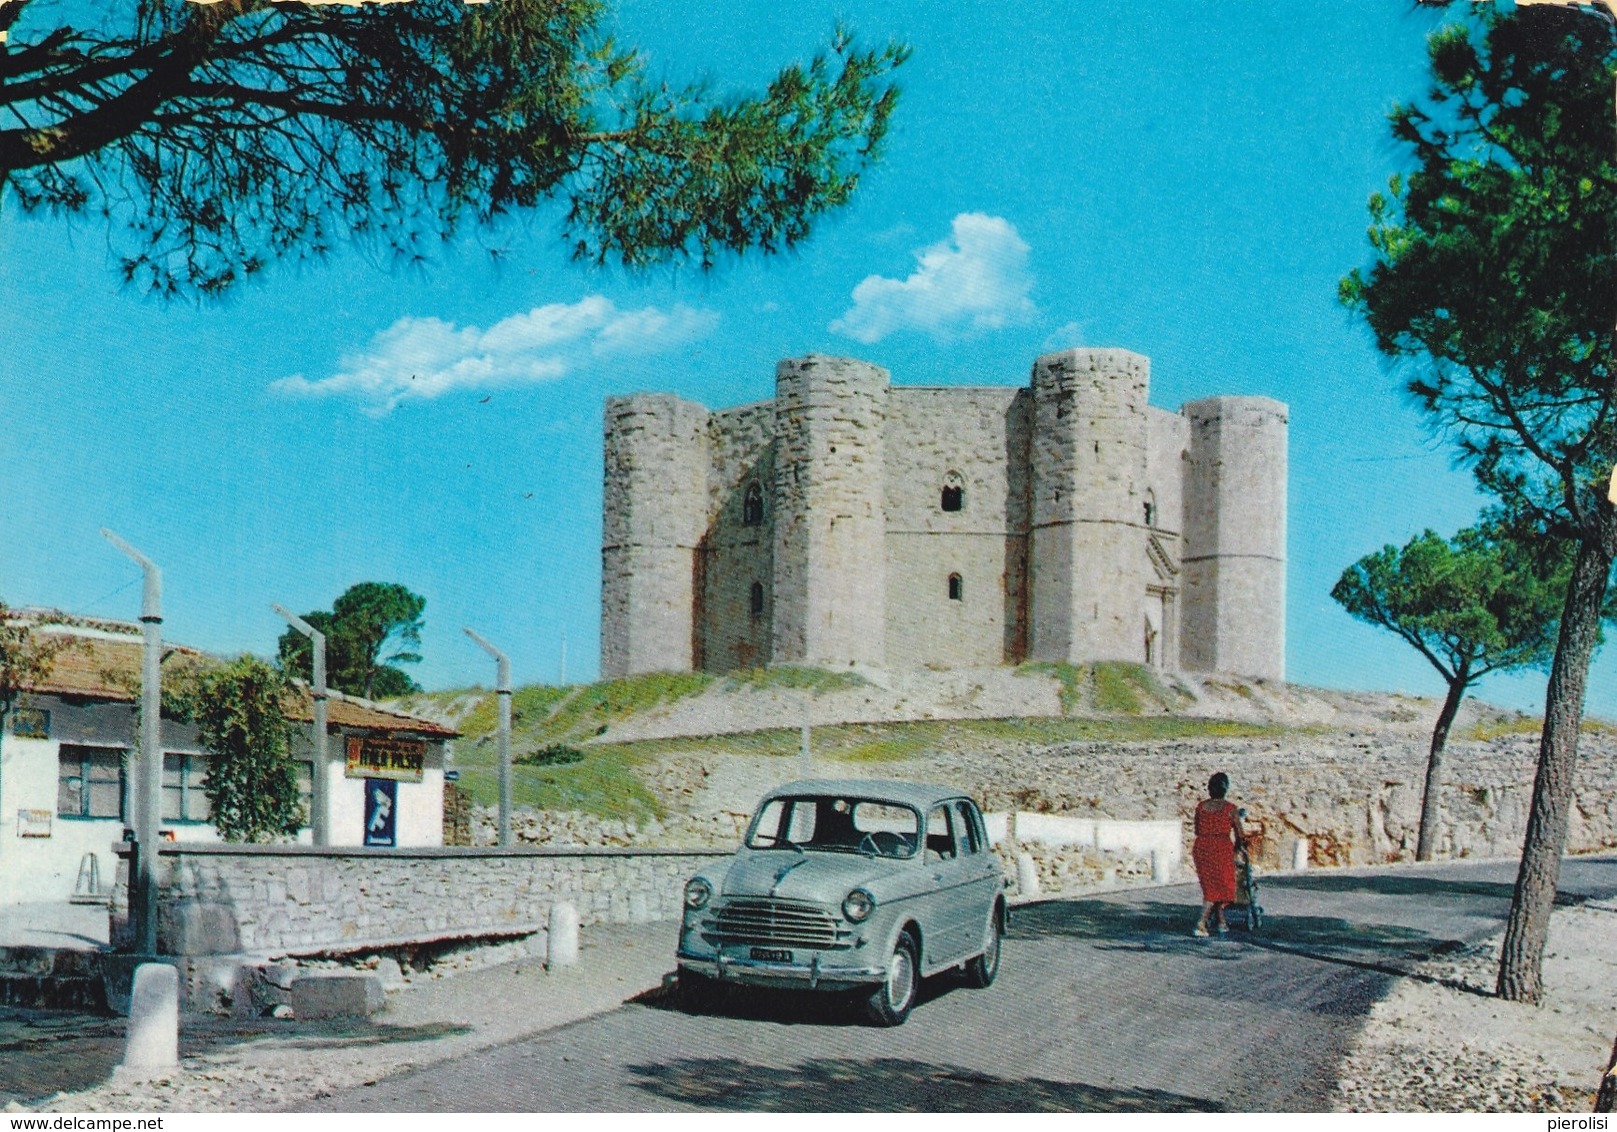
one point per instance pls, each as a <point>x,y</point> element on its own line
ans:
<point>654,512</point>
<point>1235,538</point>
<point>830,530</point>
<point>1088,548</point>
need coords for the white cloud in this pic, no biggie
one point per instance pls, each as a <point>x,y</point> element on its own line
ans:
<point>423,358</point>
<point>1067,336</point>
<point>977,279</point>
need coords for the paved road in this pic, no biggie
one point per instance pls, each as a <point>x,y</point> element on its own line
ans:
<point>1103,1005</point>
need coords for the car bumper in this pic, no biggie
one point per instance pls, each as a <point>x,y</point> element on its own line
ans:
<point>816,974</point>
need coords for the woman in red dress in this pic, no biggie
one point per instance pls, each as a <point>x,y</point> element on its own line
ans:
<point>1214,853</point>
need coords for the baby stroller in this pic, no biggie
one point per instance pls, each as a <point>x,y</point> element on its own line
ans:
<point>1246,887</point>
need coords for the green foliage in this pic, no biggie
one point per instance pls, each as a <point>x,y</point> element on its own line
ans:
<point>1488,730</point>
<point>1487,600</point>
<point>26,658</point>
<point>252,783</point>
<point>591,709</point>
<point>1495,269</point>
<point>1111,686</point>
<point>556,754</point>
<point>367,620</point>
<point>603,782</point>
<point>530,708</point>
<point>1121,688</point>
<point>797,677</point>
<point>221,137</point>
<point>1071,677</point>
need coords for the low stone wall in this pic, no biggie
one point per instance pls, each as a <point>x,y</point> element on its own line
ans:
<point>300,900</point>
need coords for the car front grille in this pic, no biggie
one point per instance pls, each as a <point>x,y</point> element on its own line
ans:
<point>776,922</point>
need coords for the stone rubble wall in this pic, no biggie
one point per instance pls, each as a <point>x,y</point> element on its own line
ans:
<point>1355,797</point>
<point>279,900</point>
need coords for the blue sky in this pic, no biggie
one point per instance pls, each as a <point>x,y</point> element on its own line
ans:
<point>1186,180</point>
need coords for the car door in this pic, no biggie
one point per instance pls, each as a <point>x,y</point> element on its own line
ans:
<point>983,879</point>
<point>946,937</point>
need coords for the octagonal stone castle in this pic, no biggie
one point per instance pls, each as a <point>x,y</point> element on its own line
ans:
<point>850,521</point>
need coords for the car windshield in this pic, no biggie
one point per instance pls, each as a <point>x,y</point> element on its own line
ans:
<point>831,824</point>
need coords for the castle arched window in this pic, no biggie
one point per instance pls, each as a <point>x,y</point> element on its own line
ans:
<point>954,492</point>
<point>755,601</point>
<point>752,506</point>
<point>1150,508</point>
<point>957,588</point>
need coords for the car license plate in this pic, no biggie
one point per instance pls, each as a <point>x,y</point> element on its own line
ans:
<point>771,955</point>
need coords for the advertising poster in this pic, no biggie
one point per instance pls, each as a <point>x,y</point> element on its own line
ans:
<point>899,556</point>
<point>381,812</point>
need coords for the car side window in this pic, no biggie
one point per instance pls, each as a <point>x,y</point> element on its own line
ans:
<point>970,839</point>
<point>939,835</point>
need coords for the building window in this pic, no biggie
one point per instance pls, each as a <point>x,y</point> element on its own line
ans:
<point>752,506</point>
<point>184,799</point>
<point>957,588</point>
<point>954,492</point>
<point>755,602</point>
<point>1150,509</point>
<point>90,782</point>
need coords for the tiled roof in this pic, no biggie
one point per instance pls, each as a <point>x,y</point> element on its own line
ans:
<point>351,711</point>
<point>98,666</point>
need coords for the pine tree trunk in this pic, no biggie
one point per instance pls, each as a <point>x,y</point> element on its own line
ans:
<point>1606,1097</point>
<point>1521,963</point>
<point>1430,799</point>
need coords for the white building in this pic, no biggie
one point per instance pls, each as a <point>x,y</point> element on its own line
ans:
<point>66,766</point>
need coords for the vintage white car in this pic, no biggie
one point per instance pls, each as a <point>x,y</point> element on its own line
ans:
<point>848,885</point>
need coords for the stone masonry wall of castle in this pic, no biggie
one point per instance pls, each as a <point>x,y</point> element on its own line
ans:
<point>737,554</point>
<point>979,438</point>
<point>1090,525</point>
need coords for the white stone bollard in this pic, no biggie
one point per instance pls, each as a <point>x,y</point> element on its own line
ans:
<point>562,938</point>
<point>1027,875</point>
<point>1299,854</point>
<point>154,1020</point>
<point>1159,867</point>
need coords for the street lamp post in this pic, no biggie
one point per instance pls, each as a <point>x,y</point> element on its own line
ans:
<point>148,778</point>
<point>320,820</point>
<point>502,669</point>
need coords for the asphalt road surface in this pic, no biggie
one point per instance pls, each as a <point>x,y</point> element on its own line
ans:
<point>1102,1004</point>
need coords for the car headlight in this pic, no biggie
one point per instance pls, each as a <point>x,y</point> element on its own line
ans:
<point>857,905</point>
<point>697,893</point>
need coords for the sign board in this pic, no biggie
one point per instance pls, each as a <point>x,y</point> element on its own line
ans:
<point>401,760</point>
<point>33,823</point>
<point>381,812</point>
<point>31,723</point>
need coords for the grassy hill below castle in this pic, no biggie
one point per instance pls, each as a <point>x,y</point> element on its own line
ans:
<point>596,748</point>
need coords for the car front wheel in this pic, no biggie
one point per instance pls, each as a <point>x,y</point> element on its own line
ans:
<point>889,1004</point>
<point>982,970</point>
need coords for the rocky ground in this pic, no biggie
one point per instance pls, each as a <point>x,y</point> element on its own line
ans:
<point>1442,1043</point>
